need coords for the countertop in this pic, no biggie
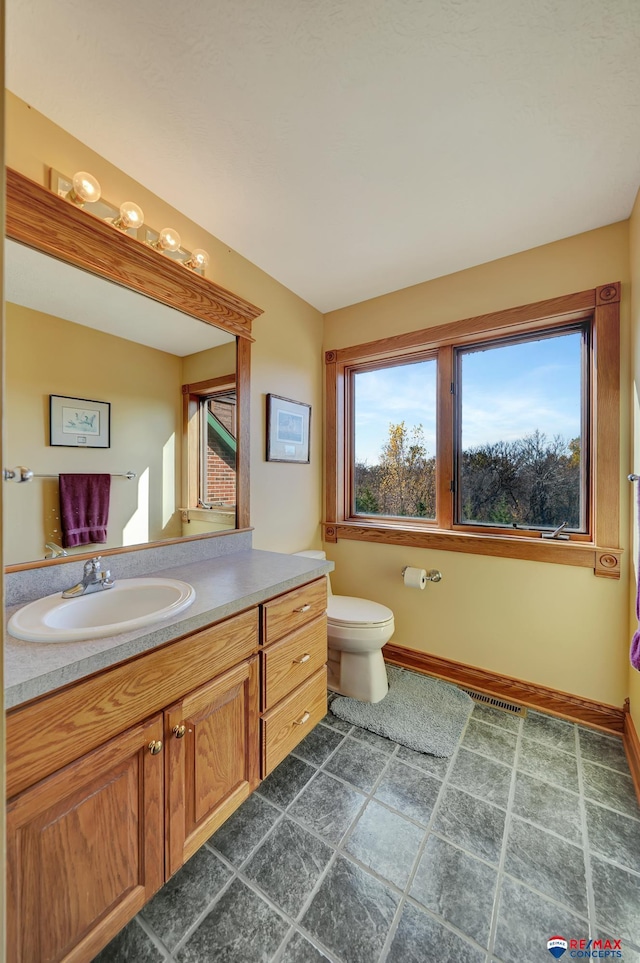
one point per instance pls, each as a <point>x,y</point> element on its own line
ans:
<point>223,587</point>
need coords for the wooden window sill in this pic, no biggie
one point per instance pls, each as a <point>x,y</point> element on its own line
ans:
<point>605,562</point>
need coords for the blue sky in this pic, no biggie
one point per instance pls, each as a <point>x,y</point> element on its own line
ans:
<point>508,392</point>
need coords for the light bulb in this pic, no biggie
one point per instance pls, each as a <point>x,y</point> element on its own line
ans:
<point>130,216</point>
<point>168,240</point>
<point>85,190</point>
<point>198,261</point>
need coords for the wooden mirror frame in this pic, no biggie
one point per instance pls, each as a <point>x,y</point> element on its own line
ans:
<point>40,219</point>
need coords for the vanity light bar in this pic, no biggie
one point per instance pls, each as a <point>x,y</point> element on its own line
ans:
<point>129,218</point>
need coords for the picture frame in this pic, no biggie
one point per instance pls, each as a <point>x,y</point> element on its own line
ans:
<point>288,430</point>
<point>79,422</point>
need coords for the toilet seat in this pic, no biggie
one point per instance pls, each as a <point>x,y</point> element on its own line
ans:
<point>346,610</point>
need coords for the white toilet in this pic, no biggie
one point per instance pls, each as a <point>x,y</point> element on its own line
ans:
<point>357,629</point>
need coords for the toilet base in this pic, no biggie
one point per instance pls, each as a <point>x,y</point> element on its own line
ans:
<point>358,675</point>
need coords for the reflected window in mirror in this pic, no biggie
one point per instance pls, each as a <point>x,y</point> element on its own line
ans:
<point>210,446</point>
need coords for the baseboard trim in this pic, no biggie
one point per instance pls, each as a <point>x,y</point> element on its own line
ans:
<point>562,704</point>
<point>632,748</point>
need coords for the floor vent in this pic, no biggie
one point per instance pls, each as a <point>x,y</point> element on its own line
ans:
<point>488,700</point>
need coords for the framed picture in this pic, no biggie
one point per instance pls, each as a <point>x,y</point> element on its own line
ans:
<point>79,422</point>
<point>288,424</point>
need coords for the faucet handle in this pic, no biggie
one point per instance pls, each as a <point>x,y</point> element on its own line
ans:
<point>93,565</point>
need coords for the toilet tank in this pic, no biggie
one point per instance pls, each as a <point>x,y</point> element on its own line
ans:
<point>315,553</point>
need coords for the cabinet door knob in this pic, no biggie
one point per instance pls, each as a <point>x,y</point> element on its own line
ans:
<point>301,722</point>
<point>179,731</point>
<point>155,746</point>
<point>303,658</point>
<point>304,608</point>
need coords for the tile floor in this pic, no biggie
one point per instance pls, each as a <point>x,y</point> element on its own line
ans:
<point>357,850</point>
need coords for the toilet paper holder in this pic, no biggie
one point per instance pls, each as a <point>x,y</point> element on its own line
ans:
<point>433,575</point>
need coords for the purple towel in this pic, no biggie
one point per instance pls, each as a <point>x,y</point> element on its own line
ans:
<point>84,508</point>
<point>634,654</point>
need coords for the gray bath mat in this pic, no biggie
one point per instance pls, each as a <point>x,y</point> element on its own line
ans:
<point>419,712</point>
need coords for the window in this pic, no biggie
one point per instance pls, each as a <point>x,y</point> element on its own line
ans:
<point>496,435</point>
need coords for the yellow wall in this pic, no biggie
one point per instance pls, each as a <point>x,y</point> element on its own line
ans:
<point>634,239</point>
<point>47,355</point>
<point>554,625</point>
<point>287,354</point>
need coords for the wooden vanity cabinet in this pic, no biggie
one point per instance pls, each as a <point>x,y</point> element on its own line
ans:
<point>119,800</point>
<point>116,780</point>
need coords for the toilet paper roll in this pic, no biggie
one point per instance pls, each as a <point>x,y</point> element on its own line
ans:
<point>415,577</point>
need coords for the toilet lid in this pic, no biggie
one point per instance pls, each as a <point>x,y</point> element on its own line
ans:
<point>346,610</point>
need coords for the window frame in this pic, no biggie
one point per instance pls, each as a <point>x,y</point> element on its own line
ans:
<point>598,548</point>
<point>195,396</point>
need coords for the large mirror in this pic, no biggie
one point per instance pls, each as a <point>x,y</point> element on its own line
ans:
<point>102,380</point>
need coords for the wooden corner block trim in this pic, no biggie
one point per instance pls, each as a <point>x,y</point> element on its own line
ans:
<point>608,293</point>
<point>563,704</point>
<point>607,563</point>
<point>632,748</point>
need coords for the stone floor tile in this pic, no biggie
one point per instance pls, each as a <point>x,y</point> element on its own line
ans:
<point>436,765</point>
<point>612,789</point>
<point>420,938</point>
<point>411,792</point>
<point>551,732</point>
<point>525,923</point>
<point>358,764</point>
<point>319,744</point>
<point>603,749</point>
<point>482,777</point>
<point>351,913</point>
<point>471,823</point>
<point>496,717</point>
<point>550,865</point>
<point>300,950</point>
<point>288,865</point>
<point>241,928</point>
<point>244,829</point>
<point>386,843</point>
<point>327,807</point>
<point>548,806</point>
<point>457,887</point>
<point>177,906</point>
<point>490,741</point>
<point>131,943</point>
<point>285,782</point>
<point>617,898</point>
<point>548,764</point>
<point>614,836</point>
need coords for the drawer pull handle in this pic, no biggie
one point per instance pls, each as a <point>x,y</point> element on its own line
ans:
<point>304,608</point>
<point>179,731</point>
<point>303,658</point>
<point>301,722</point>
<point>155,747</point>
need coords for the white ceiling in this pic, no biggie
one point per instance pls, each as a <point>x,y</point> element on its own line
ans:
<point>45,284</point>
<point>351,147</point>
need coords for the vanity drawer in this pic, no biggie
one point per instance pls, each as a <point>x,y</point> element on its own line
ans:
<point>292,719</point>
<point>286,613</point>
<point>293,659</point>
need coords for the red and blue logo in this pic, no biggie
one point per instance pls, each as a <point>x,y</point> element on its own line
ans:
<point>557,945</point>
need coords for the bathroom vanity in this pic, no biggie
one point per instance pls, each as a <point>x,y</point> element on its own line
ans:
<point>116,778</point>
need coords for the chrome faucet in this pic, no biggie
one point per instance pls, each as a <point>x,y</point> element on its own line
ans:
<point>57,551</point>
<point>95,579</point>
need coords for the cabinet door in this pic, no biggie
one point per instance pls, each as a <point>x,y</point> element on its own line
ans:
<point>213,758</point>
<point>85,849</point>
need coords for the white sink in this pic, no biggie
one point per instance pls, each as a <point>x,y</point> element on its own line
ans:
<point>130,604</point>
